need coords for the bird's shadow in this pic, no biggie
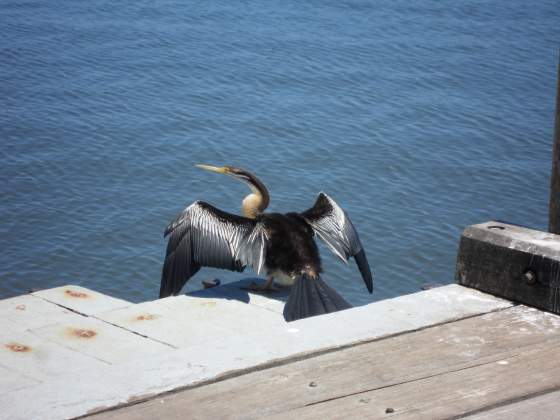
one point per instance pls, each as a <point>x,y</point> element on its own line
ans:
<point>237,291</point>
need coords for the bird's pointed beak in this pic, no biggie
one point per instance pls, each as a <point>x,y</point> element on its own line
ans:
<point>220,170</point>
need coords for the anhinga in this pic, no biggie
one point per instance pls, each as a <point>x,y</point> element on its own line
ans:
<point>281,245</point>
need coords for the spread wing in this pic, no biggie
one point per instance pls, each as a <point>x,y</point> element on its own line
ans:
<point>204,236</point>
<point>333,226</point>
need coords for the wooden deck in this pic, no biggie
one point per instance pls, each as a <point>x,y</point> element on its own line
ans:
<point>499,365</point>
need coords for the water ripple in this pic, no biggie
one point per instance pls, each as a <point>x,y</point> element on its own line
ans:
<point>419,118</point>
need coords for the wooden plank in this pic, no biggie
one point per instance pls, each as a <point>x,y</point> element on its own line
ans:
<point>545,406</point>
<point>315,387</point>
<point>451,394</point>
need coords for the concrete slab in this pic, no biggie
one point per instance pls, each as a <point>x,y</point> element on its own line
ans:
<point>443,304</point>
<point>273,301</point>
<point>100,340</point>
<point>8,327</point>
<point>41,359</point>
<point>183,321</point>
<point>82,300</point>
<point>12,381</point>
<point>28,312</point>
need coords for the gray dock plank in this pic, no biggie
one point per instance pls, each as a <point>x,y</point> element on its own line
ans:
<point>437,372</point>
<point>450,394</point>
<point>546,406</point>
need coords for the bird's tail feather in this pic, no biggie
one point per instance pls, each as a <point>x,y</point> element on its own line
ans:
<point>312,296</point>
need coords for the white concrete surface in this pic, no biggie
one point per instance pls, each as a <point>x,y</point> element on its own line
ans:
<point>101,340</point>
<point>13,381</point>
<point>131,367</point>
<point>42,359</point>
<point>80,299</point>
<point>183,321</point>
<point>28,311</point>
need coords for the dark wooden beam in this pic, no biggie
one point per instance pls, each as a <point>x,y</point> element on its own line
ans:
<point>513,262</point>
<point>554,208</point>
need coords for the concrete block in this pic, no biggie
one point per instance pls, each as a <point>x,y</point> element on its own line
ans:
<point>40,359</point>
<point>28,312</point>
<point>7,327</point>
<point>12,381</point>
<point>273,301</point>
<point>81,300</point>
<point>513,262</point>
<point>185,320</point>
<point>100,340</point>
<point>443,304</point>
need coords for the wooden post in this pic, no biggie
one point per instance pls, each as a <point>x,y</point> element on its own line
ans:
<point>554,207</point>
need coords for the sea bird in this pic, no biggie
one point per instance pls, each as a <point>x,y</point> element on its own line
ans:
<point>280,245</point>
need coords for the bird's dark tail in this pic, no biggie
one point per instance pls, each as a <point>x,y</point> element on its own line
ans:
<point>312,296</point>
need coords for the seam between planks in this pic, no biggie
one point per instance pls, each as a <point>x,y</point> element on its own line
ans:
<point>507,402</point>
<point>106,322</point>
<point>411,380</point>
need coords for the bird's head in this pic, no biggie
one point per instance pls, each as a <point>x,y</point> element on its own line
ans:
<point>254,203</point>
<point>238,173</point>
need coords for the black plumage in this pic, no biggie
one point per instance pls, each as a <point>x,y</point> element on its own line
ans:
<point>282,245</point>
<point>290,247</point>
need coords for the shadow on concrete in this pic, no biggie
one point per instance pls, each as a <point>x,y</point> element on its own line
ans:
<point>235,291</point>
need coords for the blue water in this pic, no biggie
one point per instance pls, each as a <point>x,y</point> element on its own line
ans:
<point>419,118</point>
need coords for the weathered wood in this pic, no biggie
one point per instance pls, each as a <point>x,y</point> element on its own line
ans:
<point>449,395</point>
<point>554,208</point>
<point>510,261</point>
<point>544,406</point>
<point>440,371</point>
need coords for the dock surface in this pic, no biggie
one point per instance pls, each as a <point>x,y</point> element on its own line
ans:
<point>446,352</point>
<point>504,364</point>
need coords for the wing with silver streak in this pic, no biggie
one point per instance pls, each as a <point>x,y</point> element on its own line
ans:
<point>334,227</point>
<point>204,236</point>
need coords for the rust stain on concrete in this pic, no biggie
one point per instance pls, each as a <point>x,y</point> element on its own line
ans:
<point>81,333</point>
<point>75,294</point>
<point>20,307</point>
<point>18,348</point>
<point>146,317</point>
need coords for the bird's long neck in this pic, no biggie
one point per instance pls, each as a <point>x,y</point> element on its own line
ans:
<point>256,202</point>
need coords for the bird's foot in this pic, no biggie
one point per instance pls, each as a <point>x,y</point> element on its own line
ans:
<point>267,287</point>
